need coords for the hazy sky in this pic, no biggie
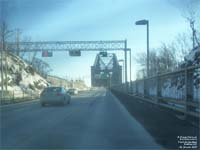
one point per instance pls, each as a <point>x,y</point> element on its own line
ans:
<point>49,20</point>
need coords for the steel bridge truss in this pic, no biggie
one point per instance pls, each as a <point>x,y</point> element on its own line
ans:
<point>68,46</point>
<point>117,45</point>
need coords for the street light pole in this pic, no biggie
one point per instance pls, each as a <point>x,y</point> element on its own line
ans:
<point>2,51</point>
<point>121,60</point>
<point>1,69</point>
<point>125,63</point>
<point>145,22</point>
<point>18,32</point>
<point>130,73</point>
<point>130,65</point>
<point>147,48</point>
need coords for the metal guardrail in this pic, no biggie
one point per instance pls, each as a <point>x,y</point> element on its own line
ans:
<point>178,90</point>
<point>17,96</point>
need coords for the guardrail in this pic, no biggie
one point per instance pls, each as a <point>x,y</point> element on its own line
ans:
<point>178,90</point>
<point>16,96</point>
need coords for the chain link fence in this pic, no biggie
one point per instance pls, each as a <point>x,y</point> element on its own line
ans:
<point>16,96</point>
<point>178,90</point>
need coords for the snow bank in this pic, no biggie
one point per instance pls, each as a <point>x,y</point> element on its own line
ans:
<point>22,77</point>
<point>176,89</point>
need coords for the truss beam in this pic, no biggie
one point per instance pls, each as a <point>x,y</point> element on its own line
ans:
<point>68,46</point>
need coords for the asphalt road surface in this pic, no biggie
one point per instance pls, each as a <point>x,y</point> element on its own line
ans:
<point>93,120</point>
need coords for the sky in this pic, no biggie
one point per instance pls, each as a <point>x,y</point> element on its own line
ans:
<point>66,20</point>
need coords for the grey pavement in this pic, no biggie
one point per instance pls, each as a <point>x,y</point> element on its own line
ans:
<point>93,120</point>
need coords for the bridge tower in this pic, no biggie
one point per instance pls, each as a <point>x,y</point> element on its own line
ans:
<point>106,70</point>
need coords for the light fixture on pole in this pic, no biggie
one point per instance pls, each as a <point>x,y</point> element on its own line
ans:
<point>145,22</point>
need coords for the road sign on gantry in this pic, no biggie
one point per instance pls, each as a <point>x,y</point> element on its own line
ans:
<point>104,75</point>
<point>75,53</point>
<point>47,54</point>
<point>103,54</point>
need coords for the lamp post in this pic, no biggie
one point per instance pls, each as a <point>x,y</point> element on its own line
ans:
<point>145,22</point>
<point>1,48</point>
<point>130,71</point>
<point>128,49</point>
<point>122,60</point>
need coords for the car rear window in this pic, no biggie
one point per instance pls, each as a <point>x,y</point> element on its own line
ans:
<point>53,89</point>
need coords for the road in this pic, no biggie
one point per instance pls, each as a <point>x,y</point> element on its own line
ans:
<point>93,120</point>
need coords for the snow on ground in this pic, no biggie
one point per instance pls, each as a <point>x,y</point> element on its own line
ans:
<point>193,58</point>
<point>153,91</point>
<point>22,78</point>
<point>177,90</point>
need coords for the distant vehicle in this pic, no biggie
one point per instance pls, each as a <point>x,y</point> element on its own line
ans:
<point>72,91</point>
<point>54,95</point>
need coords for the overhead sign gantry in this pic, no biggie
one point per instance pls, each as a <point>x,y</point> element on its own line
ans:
<point>116,45</point>
<point>69,45</point>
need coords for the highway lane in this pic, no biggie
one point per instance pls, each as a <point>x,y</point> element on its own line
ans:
<point>93,120</point>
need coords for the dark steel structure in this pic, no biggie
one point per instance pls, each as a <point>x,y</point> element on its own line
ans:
<point>104,73</point>
<point>69,46</point>
<point>116,45</point>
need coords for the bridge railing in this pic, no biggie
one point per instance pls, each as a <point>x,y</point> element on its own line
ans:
<point>178,90</point>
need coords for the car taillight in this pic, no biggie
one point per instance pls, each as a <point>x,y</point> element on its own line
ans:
<point>59,94</point>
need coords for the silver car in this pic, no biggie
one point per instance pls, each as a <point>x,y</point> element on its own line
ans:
<point>72,91</point>
<point>54,95</point>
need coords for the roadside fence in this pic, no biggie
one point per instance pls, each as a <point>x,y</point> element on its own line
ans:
<point>178,90</point>
<point>17,96</point>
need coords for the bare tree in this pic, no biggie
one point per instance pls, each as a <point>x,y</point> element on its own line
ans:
<point>153,65</point>
<point>41,66</point>
<point>162,60</point>
<point>181,45</point>
<point>5,33</point>
<point>190,10</point>
<point>167,61</point>
<point>141,60</point>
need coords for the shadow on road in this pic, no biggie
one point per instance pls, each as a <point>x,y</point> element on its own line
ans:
<point>160,123</point>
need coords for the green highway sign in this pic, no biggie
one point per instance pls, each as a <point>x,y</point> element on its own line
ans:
<point>104,76</point>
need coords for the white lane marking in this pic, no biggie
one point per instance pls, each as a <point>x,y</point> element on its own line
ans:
<point>101,93</point>
<point>87,94</point>
<point>94,93</point>
<point>18,104</point>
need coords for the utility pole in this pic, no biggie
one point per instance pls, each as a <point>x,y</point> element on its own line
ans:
<point>193,33</point>
<point>2,49</point>
<point>145,22</point>
<point>125,59</point>
<point>17,40</point>
<point>130,72</point>
<point>5,33</point>
<point>130,65</point>
<point>148,49</point>
<point>1,65</point>
<point>6,67</point>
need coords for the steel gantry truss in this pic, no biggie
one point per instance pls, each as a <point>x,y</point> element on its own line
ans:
<point>68,46</point>
<point>116,45</point>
